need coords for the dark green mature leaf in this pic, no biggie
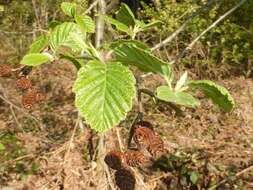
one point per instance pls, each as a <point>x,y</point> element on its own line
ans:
<point>134,43</point>
<point>131,53</point>
<point>86,23</point>
<point>218,94</point>
<point>39,44</point>
<point>35,59</point>
<point>125,15</point>
<point>119,25</point>
<point>69,8</point>
<point>182,98</point>
<point>104,93</point>
<point>61,36</point>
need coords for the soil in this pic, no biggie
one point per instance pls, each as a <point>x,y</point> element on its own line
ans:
<point>48,147</point>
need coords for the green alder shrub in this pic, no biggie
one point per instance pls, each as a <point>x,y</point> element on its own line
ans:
<point>105,89</point>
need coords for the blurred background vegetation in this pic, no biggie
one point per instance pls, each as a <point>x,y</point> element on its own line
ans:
<point>230,43</point>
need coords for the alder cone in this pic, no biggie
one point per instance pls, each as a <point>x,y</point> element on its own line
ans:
<point>125,179</point>
<point>134,158</point>
<point>156,147</point>
<point>32,97</point>
<point>24,83</point>
<point>142,136</point>
<point>5,70</point>
<point>114,159</point>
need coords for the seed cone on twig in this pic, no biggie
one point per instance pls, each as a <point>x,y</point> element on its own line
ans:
<point>125,179</point>
<point>24,83</point>
<point>134,158</point>
<point>32,97</point>
<point>156,146</point>
<point>5,70</point>
<point>114,159</point>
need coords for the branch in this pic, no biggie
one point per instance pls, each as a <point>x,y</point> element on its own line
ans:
<point>182,27</point>
<point>214,24</point>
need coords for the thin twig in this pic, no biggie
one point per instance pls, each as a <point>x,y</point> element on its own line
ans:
<point>237,175</point>
<point>182,27</point>
<point>91,6</point>
<point>189,47</point>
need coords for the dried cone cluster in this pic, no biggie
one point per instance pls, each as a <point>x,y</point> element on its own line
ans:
<point>5,70</point>
<point>114,159</point>
<point>146,138</point>
<point>23,83</point>
<point>31,97</point>
<point>134,158</point>
<point>125,179</point>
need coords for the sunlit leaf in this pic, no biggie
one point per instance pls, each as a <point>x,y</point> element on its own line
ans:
<point>60,36</point>
<point>104,93</point>
<point>131,53</point>
<point>218,94</point>
<point>86,23</point>
<point>35,59</point>
<point>181,81</point>
<point>69,8</point>
<point>39,44</point>
<point>182,98</point>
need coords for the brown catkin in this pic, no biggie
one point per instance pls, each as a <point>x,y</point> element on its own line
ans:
<point>23,83</point>
<point>125,179</point>
<point>134,158</point>
<point>5,70</point>
<point>114,159</point>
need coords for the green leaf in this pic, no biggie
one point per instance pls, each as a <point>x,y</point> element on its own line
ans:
<point>145,26</point>
<point>218,94</point>
<point>119,25</point>
<point>104,93</point>
<point>61,36</point>
<point>39,44</point>
<point>134,43</point>
<point>131,53</point>
<point>182,98</point>
<point>2,147</point>
<point>125,15</point>
<point>69,8</point>
<point>35,59</point>
<point>194,177</point>
<point>86,23</point>
<point>181,81</point>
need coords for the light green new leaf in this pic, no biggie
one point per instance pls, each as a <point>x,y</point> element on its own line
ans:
<point>39,44</point>
<point>182,98</point>
<point>2,147</point>
<point>143,26</point>
<point>69,8</point>
<point>61,36</point>
<point>35,59</point>
<point>125,15</point>
<point>218,94</point>
<point>131,53</point>
<point>86,23</point>
<point>119,25</point>
<point>181,81</point>
<point>104,93</point>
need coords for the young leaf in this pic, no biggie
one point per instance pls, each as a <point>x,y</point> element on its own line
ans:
<point>143,26</point>
<point>35,59</point>
<point>104,93</point>
<point>2,147</point>
<point>86,23</point>
<point>194,177</point>
<point>69,8</point>
<point>218,94</point>
<point>181,81</point>
<point>125,15</point>
<point>39,44</point>
<point>131,53</point>
<point>119,25</point>
<point>61,36</point>
<point>182,98</point>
